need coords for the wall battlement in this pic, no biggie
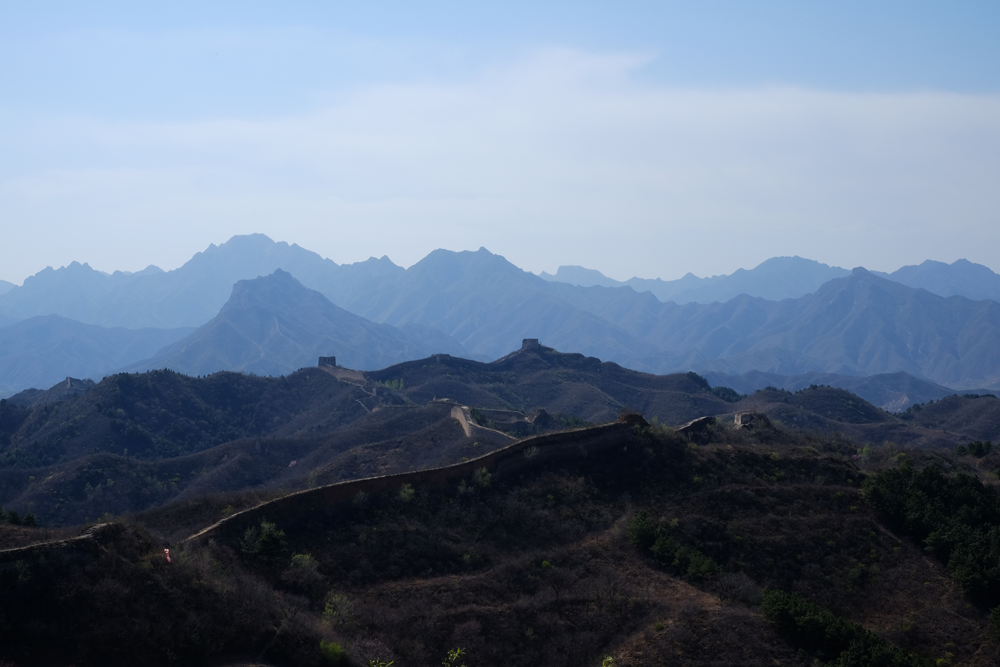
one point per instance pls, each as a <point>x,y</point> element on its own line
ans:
<point>505,461</point>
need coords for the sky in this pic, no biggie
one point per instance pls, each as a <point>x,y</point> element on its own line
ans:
<point>646,139</point>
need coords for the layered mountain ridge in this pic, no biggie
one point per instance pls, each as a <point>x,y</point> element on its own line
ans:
<point>479,305</point>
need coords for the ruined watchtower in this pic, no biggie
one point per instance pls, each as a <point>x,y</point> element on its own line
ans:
<point>328,361</point>
<point>529,343</point>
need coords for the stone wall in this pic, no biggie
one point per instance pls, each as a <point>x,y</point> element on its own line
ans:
<point>501,463</point>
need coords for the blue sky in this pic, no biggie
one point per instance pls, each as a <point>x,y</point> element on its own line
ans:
<point>646,139</point>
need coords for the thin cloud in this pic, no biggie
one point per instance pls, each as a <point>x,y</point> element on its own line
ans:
<point>563,157</point>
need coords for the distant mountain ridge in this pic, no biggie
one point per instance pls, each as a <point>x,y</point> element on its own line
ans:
<point>41,351</point>
<point>857,325</point>
<point>775,279</point>
<point>893,392</point>
<point>478,304</point>
<point>274,325</point>
<point>188,296</point>
<point>791,277</point>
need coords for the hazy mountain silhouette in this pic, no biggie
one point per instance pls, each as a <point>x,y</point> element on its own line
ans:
<point>489,305</point>
<point>857,325</point>
<point>41,351</point>
<point>890,391</point>
<point>960,278</point>
<point>188,296</point>
<point>790,277</point>
<point>274,325</point>
<point>775,279</point>
<point>6,286</point>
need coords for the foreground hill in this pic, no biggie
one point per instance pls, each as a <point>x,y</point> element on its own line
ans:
<point>759,547</point>
<point>135,442</point>
<point>162,435</point>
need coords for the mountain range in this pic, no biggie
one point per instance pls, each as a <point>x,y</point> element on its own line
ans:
<point>893,392</point>
<point>42,350</point>
<point>479,305</point>
<point>273,325</point>
<point>791,277</point>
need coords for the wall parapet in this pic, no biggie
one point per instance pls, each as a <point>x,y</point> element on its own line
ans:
<point>518,456</point>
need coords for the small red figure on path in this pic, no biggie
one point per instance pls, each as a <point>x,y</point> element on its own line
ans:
<point>166,552</point>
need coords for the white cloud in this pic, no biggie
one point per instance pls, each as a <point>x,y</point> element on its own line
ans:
<point>563,157</point>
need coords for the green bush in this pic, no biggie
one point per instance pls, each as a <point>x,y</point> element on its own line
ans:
<point>641,531</point>
<point>265,543</point>
<point>332,652</point>
<point>338,610</point>
<point>406,493</point>
<point>957,518</point>
<point>816,629</point>
<point>303,576</point>
<point>482,477</point>
<point>658,542</point>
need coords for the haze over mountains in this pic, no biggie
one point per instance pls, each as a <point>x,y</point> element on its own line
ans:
<point>791,277</point>
<point>272,325</point>
<point>41,351</point>
<point>788,316</point>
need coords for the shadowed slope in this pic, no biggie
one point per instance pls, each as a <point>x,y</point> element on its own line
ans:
<point>274,325</point>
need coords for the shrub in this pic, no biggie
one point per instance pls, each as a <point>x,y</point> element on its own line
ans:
<point>303,575</point>
<point>814,628</point>
<point>482,478</point>
<point>453,656</point>
<point>738,586</point>
<point>332,652</point>
<point>956,518</point>
<point>265,543</point>
<point>338,610</point>
<point>406,493</point>
<point>641,531</point>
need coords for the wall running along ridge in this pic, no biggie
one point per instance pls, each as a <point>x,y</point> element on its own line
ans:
<point>506,461</point>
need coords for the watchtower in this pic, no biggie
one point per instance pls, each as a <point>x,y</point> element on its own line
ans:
<point>529,343</point>
<point>328,361</point>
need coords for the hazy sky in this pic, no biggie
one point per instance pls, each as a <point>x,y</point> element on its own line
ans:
<point>647,139</point>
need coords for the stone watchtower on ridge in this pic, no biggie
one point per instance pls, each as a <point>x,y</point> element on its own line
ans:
<point>529,343</point>
<point>328,361</point>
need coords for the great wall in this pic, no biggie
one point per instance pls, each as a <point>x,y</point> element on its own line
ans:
<point>500,463</point>
<point>503,462</point>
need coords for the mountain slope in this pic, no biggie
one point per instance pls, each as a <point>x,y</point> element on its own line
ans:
<point>857,325</point>
<point>274,325</point>
<point>774,279</point>
<point>41,351</point>
<point>960,278</point>
<point>489,306</point>
<point>188,296</point>
<point>890,391</point>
